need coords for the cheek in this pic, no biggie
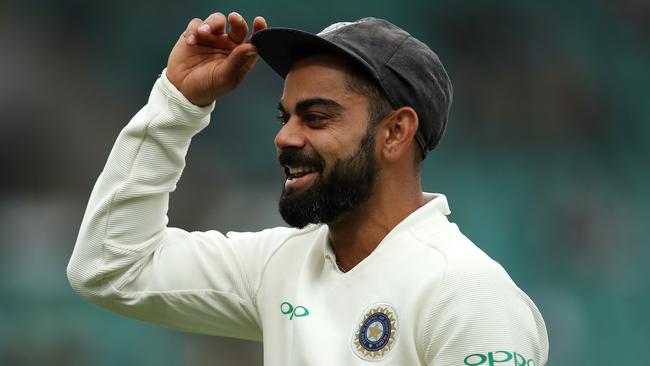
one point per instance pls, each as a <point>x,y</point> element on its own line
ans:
<point>339,140</point>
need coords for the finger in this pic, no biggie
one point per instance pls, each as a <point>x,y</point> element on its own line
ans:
<point>190,31</point>
<point>215,24</point>
<point>259,23</point>
<point>238,28</point>
<point>240,61</point>
<point>192,26</point>
<point>219,41</point>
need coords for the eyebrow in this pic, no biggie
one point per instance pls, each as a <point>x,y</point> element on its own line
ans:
<point>304,104</point>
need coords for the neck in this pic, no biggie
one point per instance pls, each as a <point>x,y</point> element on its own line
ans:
<point>357,233</point>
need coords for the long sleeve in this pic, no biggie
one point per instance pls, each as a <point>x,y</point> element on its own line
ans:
<point>127,260</point>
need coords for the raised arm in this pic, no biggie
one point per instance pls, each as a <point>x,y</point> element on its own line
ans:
<point>126,259</point>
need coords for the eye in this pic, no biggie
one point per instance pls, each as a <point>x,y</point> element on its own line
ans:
<point>283,118</point>
<point>314,119</point>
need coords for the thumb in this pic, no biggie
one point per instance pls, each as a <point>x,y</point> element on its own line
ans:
<point>240,61</point>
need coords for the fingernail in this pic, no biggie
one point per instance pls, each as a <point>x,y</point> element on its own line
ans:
<point>204,28</point>
<point>191,39</point>
<point>237,14</point>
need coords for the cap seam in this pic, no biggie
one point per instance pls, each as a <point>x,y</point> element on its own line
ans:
<point>381,76</point>
<point>394,52</point>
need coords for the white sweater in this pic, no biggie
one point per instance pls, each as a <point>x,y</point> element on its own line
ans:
<point>426,296</point>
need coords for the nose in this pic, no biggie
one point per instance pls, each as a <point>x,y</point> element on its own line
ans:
<point>291,135</point>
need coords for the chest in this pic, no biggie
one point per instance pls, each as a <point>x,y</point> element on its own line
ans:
<point>312,314</point>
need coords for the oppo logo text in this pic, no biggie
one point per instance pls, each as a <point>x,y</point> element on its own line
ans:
<point>498,358</point>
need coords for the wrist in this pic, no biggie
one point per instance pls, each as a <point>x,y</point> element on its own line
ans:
<point>174,93</point>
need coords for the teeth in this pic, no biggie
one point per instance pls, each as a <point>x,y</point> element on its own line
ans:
<point>299,169</point>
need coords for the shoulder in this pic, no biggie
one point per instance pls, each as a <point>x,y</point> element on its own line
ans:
<point>462,260</point>
<point>478,306</point>
<point>272,238</point>
<point>469,264</point>
<point>256,249</point>
<point>471,279</point>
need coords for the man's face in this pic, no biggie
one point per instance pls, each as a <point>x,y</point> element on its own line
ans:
<point>324,145</point>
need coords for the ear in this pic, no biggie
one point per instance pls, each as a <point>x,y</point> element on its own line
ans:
<point>397,132</point>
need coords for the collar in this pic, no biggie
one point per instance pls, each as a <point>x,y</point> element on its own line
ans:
<point>434,210</point>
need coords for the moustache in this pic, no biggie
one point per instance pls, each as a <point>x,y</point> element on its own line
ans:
<point>296,157</point>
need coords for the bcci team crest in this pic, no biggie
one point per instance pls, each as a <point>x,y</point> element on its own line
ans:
<point>376,333</point>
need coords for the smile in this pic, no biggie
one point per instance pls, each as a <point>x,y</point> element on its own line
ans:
<point>299,177</point>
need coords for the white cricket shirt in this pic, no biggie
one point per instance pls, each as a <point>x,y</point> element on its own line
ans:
<point>426,296</point>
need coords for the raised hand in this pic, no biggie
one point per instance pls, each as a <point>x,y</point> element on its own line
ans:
<point>207,62</point>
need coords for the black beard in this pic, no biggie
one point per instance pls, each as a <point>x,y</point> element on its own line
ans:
<point>348,184</point>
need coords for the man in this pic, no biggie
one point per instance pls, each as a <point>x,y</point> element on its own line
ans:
<point>372,272</point>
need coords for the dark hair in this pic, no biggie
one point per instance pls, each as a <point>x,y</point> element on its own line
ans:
<point>358,81</point>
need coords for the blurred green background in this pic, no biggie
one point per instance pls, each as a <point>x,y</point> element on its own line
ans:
<point>545,162</point>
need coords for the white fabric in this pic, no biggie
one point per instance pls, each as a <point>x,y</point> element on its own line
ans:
<point>454,305</point>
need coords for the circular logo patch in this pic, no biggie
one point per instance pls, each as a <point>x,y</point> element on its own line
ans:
<point>376,333</point>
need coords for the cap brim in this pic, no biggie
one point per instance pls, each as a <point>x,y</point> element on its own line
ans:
<point>282,47</point>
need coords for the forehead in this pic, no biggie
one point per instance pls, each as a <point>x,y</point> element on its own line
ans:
<point>318,76</point>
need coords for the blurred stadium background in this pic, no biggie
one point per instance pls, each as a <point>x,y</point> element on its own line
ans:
<point>545,162</point>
